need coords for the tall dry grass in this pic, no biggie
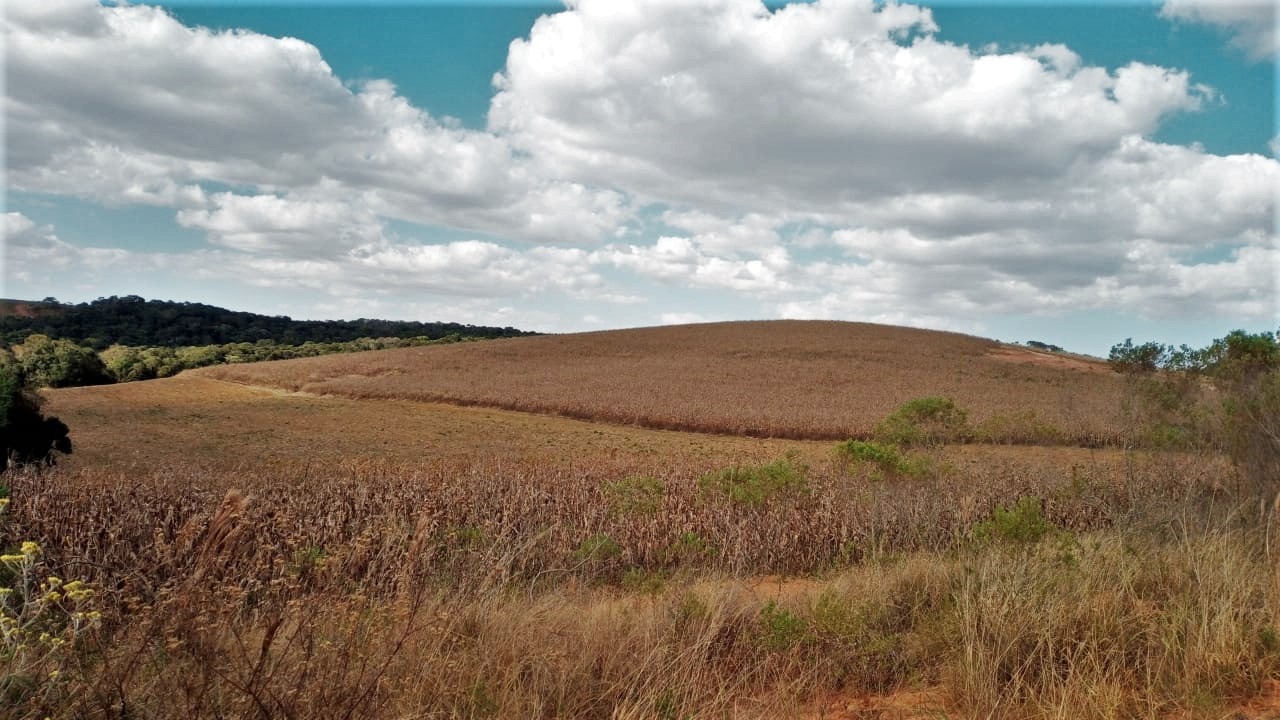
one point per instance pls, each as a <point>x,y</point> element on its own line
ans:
<point>458,590</point>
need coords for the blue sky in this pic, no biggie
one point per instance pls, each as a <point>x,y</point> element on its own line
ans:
<point>1073,173</point>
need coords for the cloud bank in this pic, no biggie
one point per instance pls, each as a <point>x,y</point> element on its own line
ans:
<point>833,159</point>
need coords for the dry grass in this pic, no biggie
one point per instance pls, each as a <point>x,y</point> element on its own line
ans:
<point>261,554</point>
<point>785,379</point>
<point>367,594</point>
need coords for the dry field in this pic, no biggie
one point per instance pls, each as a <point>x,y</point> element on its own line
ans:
<point>266,553</point>
<point>783,379</point>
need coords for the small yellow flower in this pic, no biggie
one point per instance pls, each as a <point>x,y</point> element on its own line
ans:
<point>53,674</point>
<point>30,547</point>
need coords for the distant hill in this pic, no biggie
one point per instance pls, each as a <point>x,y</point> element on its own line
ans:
<point>134,321</point>
<point>783,378</point>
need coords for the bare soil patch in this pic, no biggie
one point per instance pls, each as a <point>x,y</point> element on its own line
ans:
<point>1026,356</point>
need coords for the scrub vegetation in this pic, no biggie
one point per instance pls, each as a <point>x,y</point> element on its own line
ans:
<point>284,555</point>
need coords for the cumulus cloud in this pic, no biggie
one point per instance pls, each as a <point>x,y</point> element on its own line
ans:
<point>725,104</point>
<point>951,180</point>
<point>1251,23</point>
<point>825,159</point>
<point>172,109</point>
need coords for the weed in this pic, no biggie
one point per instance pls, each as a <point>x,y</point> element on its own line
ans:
<point>924,421</point>
<point>1024,523</point>
<point>754,485</point>
<point>635,495</point>
<point>780,628</point>
<point>597,549</point>
<point>888,459</point>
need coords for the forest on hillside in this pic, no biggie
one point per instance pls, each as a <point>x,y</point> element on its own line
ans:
<point>137,322</point>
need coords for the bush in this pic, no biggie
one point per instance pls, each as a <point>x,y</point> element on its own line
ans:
<point>888,459</point>
<point>26,436</point>
<point>1024,524</point>
<point>780,629</point>
<point>924,422</point>
<point>58,363</point>
<point>634,495</point>
<point>755,484</point>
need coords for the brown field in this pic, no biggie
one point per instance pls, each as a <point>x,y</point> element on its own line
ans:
<point>782,379</point>
<point>267,553</point>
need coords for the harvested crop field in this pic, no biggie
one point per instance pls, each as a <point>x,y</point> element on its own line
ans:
<point>310,540</point>
<point>783,379</point>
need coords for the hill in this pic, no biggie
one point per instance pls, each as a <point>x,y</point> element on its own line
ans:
<point>791,379</point>
<point>134,321</point>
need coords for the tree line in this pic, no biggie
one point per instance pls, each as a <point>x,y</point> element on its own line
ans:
<point>136,322</point>
<point>1224,397</point>
<point>47,362</point>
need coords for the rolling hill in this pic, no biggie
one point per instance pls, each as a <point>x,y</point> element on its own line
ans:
<point>786,379</point>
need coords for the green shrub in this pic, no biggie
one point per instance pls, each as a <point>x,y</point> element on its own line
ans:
<point>690,547</point>
<point>889,460</point>
<point>924,422</point>
<point>781,629</point>
<point>597,549</point>
<point>634,495</point>
<point>755,484</point>
<point>1024,523</point>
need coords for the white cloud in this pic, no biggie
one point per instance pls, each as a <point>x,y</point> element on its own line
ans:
<point>727,105</point>
<point>955,181</point>
<point>127,105</point>
<point>1252,23</point>
<point>271,224</point>
<point>832,159</point>
<point>683,318</point>
<point>679,259</point>
<point>31,250</point>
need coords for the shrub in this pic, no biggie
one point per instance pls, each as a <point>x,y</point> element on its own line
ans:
<point>780,629</point>
<point>888,459</point>
<point>755,484</point>
<point>26,435</point>
<point>924,421</point>
<point>597,549</point>
<point>1024,523</point>
<point>690,548</point>
<point>634,495</point>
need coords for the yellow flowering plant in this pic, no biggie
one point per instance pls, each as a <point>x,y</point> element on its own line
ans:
<point>42,618</point>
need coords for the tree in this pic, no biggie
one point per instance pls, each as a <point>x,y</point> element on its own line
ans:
<point>26,435</point>
<point>58,363</point>
<point>1225,396</point>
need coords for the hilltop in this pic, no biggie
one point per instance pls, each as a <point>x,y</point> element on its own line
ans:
<point>134,321</point>
<point>785,378</point>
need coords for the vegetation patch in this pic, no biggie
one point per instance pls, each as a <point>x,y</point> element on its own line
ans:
<point>887,460</point>
<point>926,421</point>
<point>1023,523</point>
<point>635,495</point>
<point>754,485</point>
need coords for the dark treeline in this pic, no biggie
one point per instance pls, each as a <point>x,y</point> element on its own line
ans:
<point>136,322</point>
<point>45,362</point>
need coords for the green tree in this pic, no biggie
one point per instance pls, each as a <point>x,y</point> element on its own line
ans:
<point>26,435</point>
<point>58,363</point>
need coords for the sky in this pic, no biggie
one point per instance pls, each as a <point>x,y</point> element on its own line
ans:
<point>1071,173</point>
